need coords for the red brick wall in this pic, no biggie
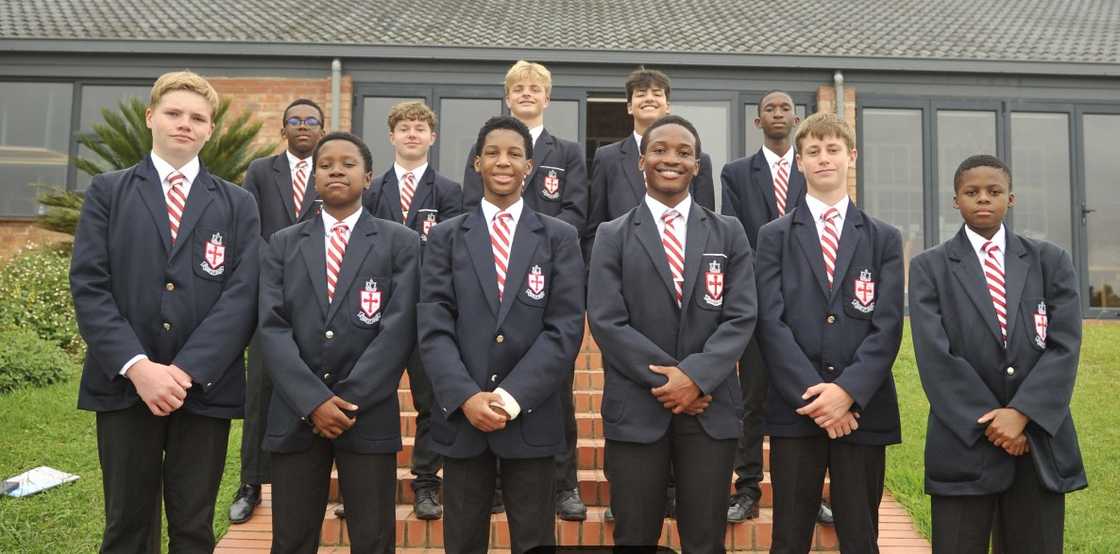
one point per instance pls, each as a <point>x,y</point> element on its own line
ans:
<point>16,234</point>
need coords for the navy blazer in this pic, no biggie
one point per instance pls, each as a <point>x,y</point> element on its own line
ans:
<point>633,314</point>
<point>354,347</point>
<point>557,186</point>
<point>192,304</point>
<point>270,181</point>
<point>617,185</point>
<point>967,372</point>
<point>436,199</point>
<point>527,344</point>
<point>848,334</point>
<point>748,192</point>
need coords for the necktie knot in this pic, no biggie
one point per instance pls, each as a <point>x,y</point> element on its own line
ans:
<point>503,217</point>
<point>176,179</point>
<point>990,248</point>
<point>829,215</point>
<point>302,164</point>
<point>340,229</point>
<point>670,217</point>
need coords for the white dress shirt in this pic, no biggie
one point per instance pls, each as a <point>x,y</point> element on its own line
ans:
<point>772,160</point>
<point>977,241</point>
<point>817,208</point>
<point>509,403</point>
<point>416,175</point>
<point>535,132</point>
<point>657,209</point>
<point>329,221</point>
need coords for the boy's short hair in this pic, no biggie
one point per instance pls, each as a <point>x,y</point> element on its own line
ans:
<point>643,78</point>
<point>303,102</point>
<point>822,125</point>
<point>980,160</point>
<point>671,120</point>
<point>529,70</point>
<point>367,157</point>
<point>183,80</point>
<point>411,110</point>
<point>504,122</point>
<point>762,98</point>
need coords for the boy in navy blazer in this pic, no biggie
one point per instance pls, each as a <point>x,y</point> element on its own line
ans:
<point>830,324</point>
<point>997,334</point>
<point>500,324</point>
<point>411,192</point>
<point>556,185</point>
<point>671,304</point>
<point>337,323</point>
<point>164,279</point>
<point>284,188</point>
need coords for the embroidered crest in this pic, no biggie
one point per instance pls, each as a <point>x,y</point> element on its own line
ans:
<point>369,304</point>
<point>551,189</point>
<point>536,283</point>
<point>214,257</point>
<point>1041,322</point>
<point>427,223</point>
<point>864,289</point>
<point>713,284</point>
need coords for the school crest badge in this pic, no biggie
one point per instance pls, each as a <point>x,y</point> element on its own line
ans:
<point>426,224</point>
<point>551,188</point>
<point>864,292</point>
<point>1041,322</point>
<point>713,284</point>
<point>369,304</point>
<point>214,256</point>
<point>536,283</point>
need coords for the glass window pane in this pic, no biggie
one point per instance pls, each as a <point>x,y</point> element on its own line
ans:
<point>1102,168</point>
<point>94,98</point>
<point>375,129</point>
<point>711,119</point>
<point>893,169</point>
<point>460,120</point>
<point>34,142</point>
<point>562,119</point>
<point>754,134</point>
<point>1040,164</point>
<point>960,134</point>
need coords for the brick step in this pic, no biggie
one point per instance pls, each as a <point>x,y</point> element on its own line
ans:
<point>586,401</point>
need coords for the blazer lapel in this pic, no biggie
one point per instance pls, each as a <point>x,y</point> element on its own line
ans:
<point>966,267</point>
<point>309,197</point>
<point>478,245</point>
<point>849,243</point>
<point>648,236</point>
<point>1015,269</point>
<point>764,182</point>
<point>314,252</point>
<point>391,195</point>
<point>357,248</point>
<point>197,201</point>
<point>696,240</point>
<point>541,151</point>
<point>630,155</point>
<point>283,178</point>
<point>805,233</point>
<point>525,241</point>
<point>420,196</point>
<point>151,193</point>
<point>796,190</point>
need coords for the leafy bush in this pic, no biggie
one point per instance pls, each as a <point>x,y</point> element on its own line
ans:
<point>35,296</point>
<point>27,360</point>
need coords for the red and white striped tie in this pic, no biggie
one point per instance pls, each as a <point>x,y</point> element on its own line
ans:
<point>299,183</point>
<point>993,273</point>
<point>674,251</point>
<point>830,242</point>
<point>781,186</point>
<point>340,235</point>
<point>499,242</point>
<point>407,191</point>
<point>176,202</point>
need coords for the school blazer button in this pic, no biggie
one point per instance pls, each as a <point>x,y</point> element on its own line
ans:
<point>169,286</point>
<point>830,368</point>
<point>830,319</point>
<point>166,326</point>
<point>1010,370</point>
<point>329,334</point>
<point>326,376</point>
<point>500,339</point>
<point>494,378</point>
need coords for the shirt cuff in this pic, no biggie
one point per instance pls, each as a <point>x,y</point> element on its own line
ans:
<point>131,362</point>
<point>510,405</point>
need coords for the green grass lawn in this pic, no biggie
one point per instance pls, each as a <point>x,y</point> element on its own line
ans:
<point>1092,520</point>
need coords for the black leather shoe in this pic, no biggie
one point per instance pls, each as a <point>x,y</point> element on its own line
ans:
<point>671,502</point>
<point>427,505</point>
<point>340,512</point>
<point>741,509</point>
<point>247,498</point>
<point>497,507</point>
<point>569,506</point>
<point>824,515</point>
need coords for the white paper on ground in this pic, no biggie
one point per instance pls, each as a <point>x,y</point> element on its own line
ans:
<point>39,479</point>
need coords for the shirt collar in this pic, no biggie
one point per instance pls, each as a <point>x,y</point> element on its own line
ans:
<point>657,208</point>
<point>490,210</point>
<point>163,168</point>
<point>638,140</point>
<point>416,173</point>
<point>817,208</point>
<point>351,220</point>
<point>772,157</point>
<point>293,160</point>
<point>535,132</point>
<point>977,241</point>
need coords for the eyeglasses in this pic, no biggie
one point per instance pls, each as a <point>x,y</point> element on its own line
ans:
<point>310,121</point>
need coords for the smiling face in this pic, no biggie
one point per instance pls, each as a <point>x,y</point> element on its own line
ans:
<point>527,100</point>
<point>983,196</point>
<point>341,177</point>
<point>647,105</point>
<point>669,163</point>
<point>302,138</point>
<point>503,165</point>
<point>776,116</point>
<point>411,140</point>
<point>824,161</point>
<point>181,124</point>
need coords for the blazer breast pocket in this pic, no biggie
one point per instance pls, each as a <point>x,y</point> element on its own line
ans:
<point>368,301</point>
<point>860,294</point>
<point>537,286</point>
<point>549,182</point>
<point>209,253</point>
<point>710,288</point>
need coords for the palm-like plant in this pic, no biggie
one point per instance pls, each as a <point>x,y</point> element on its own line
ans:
<point>123,139</point>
